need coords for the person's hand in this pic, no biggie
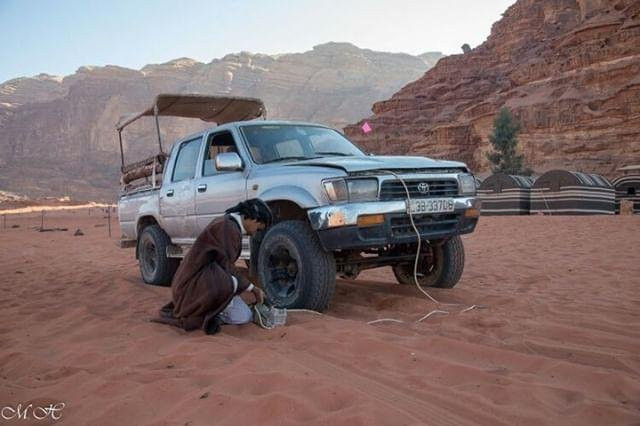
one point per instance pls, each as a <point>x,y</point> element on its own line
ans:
<point>259,294</point>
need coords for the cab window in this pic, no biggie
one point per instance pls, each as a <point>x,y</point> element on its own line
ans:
<point>185,167</point>
<point>218,143</point>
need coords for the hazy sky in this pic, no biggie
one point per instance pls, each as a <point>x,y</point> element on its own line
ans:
<point>57,37</point>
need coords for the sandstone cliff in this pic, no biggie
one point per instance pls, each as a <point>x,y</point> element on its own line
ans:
<point>57,135</point>
<point>568,69</point>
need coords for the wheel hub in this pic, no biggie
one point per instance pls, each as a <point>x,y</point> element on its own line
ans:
<point>149,255</point>
<point>283,271</point>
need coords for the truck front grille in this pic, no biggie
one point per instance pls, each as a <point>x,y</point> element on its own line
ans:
<point>401,225</point>
<point>394,190</point>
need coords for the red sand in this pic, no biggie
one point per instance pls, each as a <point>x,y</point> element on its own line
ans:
<point>556,337</point>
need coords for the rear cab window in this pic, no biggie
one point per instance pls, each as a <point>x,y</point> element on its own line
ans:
<point>185,165</point>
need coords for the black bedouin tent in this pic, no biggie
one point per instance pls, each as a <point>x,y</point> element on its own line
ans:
<point>563,192</point>
<point>504,194</point>
<point>627,188</point>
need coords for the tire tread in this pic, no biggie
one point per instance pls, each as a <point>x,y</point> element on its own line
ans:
<point>453,267</point>
<point>167,267</point>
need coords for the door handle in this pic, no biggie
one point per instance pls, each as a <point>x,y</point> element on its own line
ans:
<point>170,193</point>
<point>202,187</point>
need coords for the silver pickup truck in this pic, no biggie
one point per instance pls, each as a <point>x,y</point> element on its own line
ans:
<point>336,209</point>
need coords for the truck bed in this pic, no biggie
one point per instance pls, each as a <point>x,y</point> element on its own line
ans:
<point>135,204</point>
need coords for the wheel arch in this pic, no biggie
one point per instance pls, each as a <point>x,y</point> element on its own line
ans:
<point>283,209</point>
<point>299,196</point>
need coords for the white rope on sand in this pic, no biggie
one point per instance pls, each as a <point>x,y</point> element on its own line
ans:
<point>437,311</point>
<point>309,311</point>
<point>263,325</point>
<point>385,319</point>
<point>468,309</point>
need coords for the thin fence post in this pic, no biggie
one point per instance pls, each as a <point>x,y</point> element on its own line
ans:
<point>109,216</point>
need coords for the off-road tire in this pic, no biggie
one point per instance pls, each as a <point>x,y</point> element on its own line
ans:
<point>155,267</point>
<point>447,267</point>
<point>314,274</point>
<point>252,263</point>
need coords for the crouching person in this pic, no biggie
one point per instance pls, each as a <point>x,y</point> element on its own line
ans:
<point>206,287</point>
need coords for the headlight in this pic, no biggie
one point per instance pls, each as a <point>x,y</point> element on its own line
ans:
<point>351,190</point>
<point>467,185</point>
<point>363,189</point>
<point>336,190</point>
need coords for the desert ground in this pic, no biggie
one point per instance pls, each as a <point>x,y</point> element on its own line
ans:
<point>554,337</point>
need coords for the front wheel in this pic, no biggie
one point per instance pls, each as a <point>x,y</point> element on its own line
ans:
<point>155,267</point>
<point>294,269</point>
<point>442,267</point>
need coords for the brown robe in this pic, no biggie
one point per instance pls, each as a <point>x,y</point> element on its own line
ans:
<point>202,286</point>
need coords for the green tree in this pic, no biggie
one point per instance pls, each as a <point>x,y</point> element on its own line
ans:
<point>504,139</point>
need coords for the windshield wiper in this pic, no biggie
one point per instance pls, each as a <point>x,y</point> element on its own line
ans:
<point>288,158</point>
<point>342,154</point>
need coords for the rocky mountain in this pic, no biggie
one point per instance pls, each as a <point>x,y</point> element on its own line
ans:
<point>57,135</point>
<point>568,69</point>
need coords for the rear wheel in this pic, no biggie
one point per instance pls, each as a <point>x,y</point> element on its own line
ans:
<point>294,269</point>
<point>155,267</point>
<point>441,268</point>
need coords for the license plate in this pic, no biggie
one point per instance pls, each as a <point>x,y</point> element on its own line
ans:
<point>431,205</point>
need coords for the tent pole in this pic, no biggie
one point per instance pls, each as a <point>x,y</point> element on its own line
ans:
<point>155,115</point>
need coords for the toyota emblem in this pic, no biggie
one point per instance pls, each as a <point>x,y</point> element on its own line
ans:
<point>423,187</point>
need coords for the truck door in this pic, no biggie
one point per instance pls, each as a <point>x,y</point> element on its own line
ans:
<point>177,192</point>
<point>216,190</point>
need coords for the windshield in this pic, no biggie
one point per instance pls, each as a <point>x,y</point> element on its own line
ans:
<point>270,143</point>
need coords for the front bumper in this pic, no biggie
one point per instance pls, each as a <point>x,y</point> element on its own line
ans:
<point>337,226</point>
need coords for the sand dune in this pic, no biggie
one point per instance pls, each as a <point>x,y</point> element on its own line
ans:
<point>555,337</point>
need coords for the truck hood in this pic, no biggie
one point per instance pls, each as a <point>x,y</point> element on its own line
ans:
<point>382,162</point>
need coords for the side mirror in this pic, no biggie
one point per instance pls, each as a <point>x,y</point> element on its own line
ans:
<point>228,161</point>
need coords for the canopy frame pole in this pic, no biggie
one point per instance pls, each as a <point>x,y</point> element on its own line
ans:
<point>121,150</point>
<point>155,115</point>
<point>153,176</point>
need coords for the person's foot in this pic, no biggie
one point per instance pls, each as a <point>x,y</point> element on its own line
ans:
<point>212,326</point>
